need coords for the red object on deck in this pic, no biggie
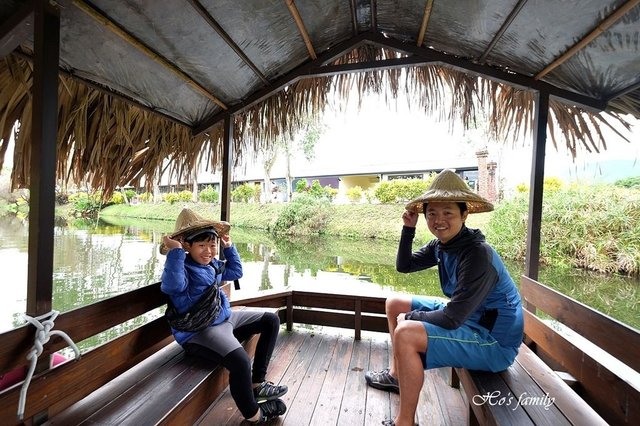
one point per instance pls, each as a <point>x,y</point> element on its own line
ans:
<point>18,374</point>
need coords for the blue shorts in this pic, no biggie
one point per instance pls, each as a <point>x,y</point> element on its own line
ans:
<point>469,346</point>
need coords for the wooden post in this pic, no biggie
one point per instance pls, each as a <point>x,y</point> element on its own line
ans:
<point>289,312</point>
<point>42,178</point>
<point>541,118</point>
<point>227,161</point>
<point>358,319</point>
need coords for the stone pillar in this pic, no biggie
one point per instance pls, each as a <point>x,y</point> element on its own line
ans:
<point>483,178</point>
<point>492,193</point>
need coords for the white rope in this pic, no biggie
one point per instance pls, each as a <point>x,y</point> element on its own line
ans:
<point>43,334</point>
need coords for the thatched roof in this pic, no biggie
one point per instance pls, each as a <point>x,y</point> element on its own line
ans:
<point>143,82</point>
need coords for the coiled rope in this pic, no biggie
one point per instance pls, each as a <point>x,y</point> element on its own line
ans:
<point>43,324</point>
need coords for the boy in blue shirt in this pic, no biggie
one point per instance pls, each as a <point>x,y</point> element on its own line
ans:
<point>201,318</point>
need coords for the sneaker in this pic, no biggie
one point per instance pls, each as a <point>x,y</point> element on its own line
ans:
<point>269,410</point>
<point>267,391</point>
<point>382,380</point>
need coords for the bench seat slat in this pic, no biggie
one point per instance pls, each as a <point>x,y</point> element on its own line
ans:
<point>494,411</point>
<point>570,403</point>
<point>523,386</point>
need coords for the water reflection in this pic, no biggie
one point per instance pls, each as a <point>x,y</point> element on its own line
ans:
<point>96,260</point>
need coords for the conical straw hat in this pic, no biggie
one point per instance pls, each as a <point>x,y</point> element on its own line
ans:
<point>448,186</point>
<point>189,222</point>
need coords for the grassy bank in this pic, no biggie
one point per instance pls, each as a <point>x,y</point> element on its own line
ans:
<point>359,221</point>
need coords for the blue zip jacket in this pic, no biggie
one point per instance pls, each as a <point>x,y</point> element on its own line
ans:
<point>186,281</point>
<point>480,290</point>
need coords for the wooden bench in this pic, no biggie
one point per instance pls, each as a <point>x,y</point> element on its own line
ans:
<point>554,380</point>
<point>140,377</point>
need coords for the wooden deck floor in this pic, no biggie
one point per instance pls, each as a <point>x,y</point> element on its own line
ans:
<point>325,374</point>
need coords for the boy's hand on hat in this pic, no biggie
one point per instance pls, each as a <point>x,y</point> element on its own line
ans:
<point>410,218</point>
<point>226,241</point>
<point>171,244</point>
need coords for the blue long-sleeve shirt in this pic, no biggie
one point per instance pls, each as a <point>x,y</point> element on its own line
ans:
<point>475,279</point>
<point>186,281</point>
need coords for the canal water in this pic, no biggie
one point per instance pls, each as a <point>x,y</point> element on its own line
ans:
<point>94,260</point>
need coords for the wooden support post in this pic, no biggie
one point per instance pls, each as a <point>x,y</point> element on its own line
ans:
<point>42,179</point>
<point>541,106</point>
<point>289,312</point>
<point>358,319</point>
<point>227,161</point>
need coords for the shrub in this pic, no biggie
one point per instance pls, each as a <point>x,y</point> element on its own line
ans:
<point>243,193</point>
<point>304,215</point>
<point>631,182</point>
<point>185,196</point>
<point>400,190</point>
<point>86,205</point>
<point>130,193</point>
<point>354,194</point>
<point>209,195</point>
<point>301,186</point>
<point>171,197</point>
<point>145,197</point>
<point>594,227</point>
<point>116,198</point>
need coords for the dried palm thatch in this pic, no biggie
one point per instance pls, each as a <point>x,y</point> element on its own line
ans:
<point>106,142</point>
<point>102,141</point>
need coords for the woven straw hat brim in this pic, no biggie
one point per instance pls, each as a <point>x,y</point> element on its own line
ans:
<point>449,187</point>
<point>222,228</point>
<point>475,204</point>
<point>189,221</point>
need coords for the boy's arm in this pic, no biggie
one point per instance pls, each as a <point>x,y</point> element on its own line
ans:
<point>233,267</point>
<point>173,277</point>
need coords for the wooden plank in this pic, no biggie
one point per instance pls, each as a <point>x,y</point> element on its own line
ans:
<point>201,398</point>
<point>330,398</point>
<point>224,411</point>
<point>338,319</point>
<point>599,328</point>
<point>378,402</point>
<point>478,413</point>
<point>76,413</point>
<point>538,403</point>
<point>495,393</point>
<point>616,400</point>
<point>62,386</point>
<point>428,412</point>
<point>303,406</point>
<point>297,371</point>
<point>572,406</point>
<point>452,405</point>
<point>354,398</point>
<point>81,324</point>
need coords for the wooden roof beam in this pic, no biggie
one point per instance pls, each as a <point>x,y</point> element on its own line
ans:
<point>17,29</point>
<point>291,4</point>
<point>379,65</point>
<point>505,25</point>
<point>513,79</point>
<point>425,22</point>
<point>227,39</point>
<point>374,16</point>
<point>132,40</point>
<point>302,71</point>
<point>354,18</point>
<point>600,28</point>
<point>635,86</point>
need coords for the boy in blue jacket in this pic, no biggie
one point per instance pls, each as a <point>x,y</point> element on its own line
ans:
<point>201,318</point>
